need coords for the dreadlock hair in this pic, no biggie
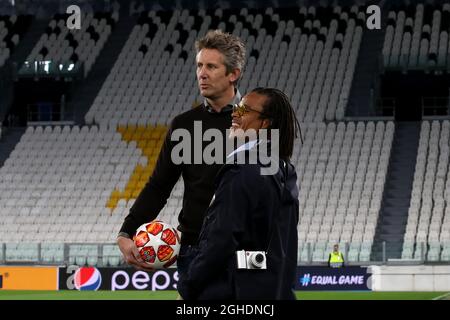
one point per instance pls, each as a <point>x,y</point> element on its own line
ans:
<point>278,109</point>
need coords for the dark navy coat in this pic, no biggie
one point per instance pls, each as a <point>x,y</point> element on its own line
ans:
<point>246,210</point>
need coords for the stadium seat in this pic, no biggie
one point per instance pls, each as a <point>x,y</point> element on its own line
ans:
<point>410,43</point>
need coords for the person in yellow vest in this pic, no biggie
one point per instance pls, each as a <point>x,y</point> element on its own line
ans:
<point>336,258</point>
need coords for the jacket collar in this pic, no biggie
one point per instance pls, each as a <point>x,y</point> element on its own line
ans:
<point>227,108</point>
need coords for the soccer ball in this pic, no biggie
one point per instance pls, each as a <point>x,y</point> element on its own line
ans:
<point>158,244</point>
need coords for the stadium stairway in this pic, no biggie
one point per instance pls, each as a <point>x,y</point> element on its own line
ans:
<point>8,141</point>
<point>397,192</point>
<point>85,93</point>
<point>18,56</point>
<point>361,102</point>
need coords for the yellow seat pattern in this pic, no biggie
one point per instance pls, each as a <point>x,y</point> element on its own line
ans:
<point>150,140</point>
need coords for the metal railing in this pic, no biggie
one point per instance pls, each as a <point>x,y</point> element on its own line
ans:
<point>387,106</point>
<point>48,112</point>
<point>435,106</point>
<point>94,254</point>
<point>355,254</point>
<point>108,254</point>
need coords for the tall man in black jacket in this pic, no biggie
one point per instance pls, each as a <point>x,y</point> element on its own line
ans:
<point>220,61</point>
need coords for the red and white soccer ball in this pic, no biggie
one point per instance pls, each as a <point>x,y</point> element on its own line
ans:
<point>158,244</point>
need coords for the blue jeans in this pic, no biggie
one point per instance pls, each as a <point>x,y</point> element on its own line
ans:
<point>185,257</point>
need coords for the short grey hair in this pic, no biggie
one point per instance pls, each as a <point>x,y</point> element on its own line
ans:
<point>232,48</point>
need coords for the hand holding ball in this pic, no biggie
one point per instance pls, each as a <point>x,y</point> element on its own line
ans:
<point>158,244</point>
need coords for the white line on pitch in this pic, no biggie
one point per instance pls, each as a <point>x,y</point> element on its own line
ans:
<point>442,297</point>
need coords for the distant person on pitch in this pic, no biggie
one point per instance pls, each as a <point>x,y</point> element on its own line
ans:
<point>336,258</point>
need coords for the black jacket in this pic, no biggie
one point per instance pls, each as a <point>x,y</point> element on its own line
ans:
<point>246,209</point>
<point>198,178</point>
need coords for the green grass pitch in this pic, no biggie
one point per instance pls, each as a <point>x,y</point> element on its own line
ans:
<point>171,295</point>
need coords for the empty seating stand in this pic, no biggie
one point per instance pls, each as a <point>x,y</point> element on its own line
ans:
<point>58,186</point>
<point>311,59</point>
<point>417,38</point>
<point>428,228</point>
<point>12,29</point>
<point>342,169</point>
<point>74,185</point>
<point>62,45</point>
<point>63,178</point>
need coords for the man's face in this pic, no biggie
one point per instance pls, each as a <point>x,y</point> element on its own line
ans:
<point>248,115</point>
<point>336,248</point>
<point>212,77</point>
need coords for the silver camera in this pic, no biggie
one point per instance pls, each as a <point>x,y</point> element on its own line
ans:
<point>251,259</point>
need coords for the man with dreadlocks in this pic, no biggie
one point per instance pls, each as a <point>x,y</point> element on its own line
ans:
<point>248,242</point>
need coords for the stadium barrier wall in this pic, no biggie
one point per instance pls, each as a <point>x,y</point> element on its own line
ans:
<point>28,278</point>
<point>310,278</point>
<point>410,278</point>
<point>92,278</point>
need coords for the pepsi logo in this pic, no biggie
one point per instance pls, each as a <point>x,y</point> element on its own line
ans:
<point>87,279</point>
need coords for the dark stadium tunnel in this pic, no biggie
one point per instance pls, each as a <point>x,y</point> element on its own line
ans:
<point>410,89</point>
<point>45,93</point>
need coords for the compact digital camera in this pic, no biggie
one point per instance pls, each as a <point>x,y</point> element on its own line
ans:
<point>251,259</point>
